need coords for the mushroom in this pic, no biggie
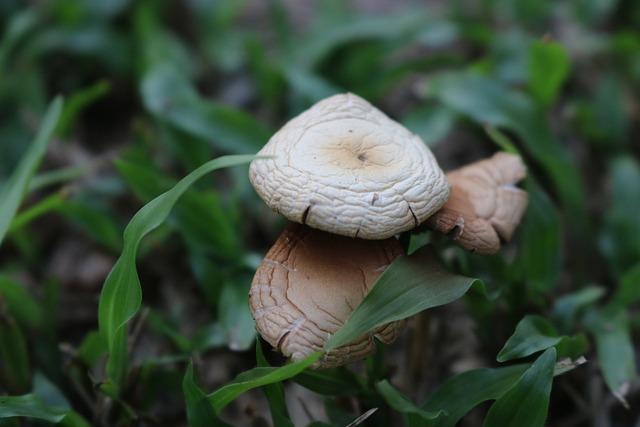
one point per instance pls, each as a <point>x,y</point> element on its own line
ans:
<point>354,179</point>
<point>307,286</point>
<point>344,167</point>
<point>484,206</point>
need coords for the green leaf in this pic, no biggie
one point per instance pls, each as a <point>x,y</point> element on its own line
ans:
<point>431,123</point>
<point>92,348</point>
<point>78,101</point>
<point>121,294</point>
<point>57,176</point>
<point>95,221</point>
<point>329,382</point>
<point>199,412</point>
<point>615,349</point>
<point>628,291</point>
<point>619,240</point>
<point>567,308</point>
<point>22,306</point>
<point>328,36</point>
<point>257,377</point>
<point>274,393</point>
<point>167,94</point>
<point>527,402</point>
<point>533,333</point>
<point>200,216</point>
<point>15,187</point>
<point>461,393</point>
<point>31,406</point>
<point>408,286</point>
<point>539,260</point>
<point>416,416</point>
<point>235,316</point>
<point>44,206</point>
<point>548,69</point>
<point>14,368</point>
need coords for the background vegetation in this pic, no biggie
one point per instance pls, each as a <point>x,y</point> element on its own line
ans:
<point>154,89</point>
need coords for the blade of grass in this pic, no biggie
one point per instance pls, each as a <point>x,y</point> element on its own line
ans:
<point>199,412</point>
<point>16,186</point>
<point>121,294</point>
<point>258,377</point>
<point>44,206</point>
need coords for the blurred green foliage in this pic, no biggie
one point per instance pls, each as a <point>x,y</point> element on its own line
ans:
<point>155,89</point>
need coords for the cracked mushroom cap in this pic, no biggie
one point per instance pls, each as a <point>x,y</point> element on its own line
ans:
<point>484,206</point>
<point>344,167</point>
<point>307,286</point>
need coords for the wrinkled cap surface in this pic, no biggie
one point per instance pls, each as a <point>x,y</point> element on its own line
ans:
<point>485,206</point>
<point>307,286</point>
<point>344,167</point>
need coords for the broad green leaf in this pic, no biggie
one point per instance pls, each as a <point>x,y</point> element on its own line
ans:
<point>533,333</point>
<point>257,377</point>
<point>22,306</point>
<point>121,294</point>
<point>527,402</point>
<point>31,406</point>
<point>567,308</point>
<point>331,35</point>
<point>48,392</point>
<point>416,416</point>
<point>199,412</point>
<point>615,349</point>
<point>169,96</point>
<point>463,392</point>
<point>274,393</point>
<point>408,286</point>
<point>548,69</point>
<point>14,189</point>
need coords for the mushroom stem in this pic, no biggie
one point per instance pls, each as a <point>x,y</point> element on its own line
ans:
<point>484,205</point>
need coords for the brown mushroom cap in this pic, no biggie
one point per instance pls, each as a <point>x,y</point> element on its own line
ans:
<point>307,286</point>
<point>484,206</point>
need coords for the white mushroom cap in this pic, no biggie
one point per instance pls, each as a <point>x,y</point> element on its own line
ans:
<point>308,285</point>
<point>344,167</point>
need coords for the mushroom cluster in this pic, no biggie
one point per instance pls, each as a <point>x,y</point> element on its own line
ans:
<point>352,178</point>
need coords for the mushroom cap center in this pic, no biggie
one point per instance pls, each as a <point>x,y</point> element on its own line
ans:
<point>351,147</point>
